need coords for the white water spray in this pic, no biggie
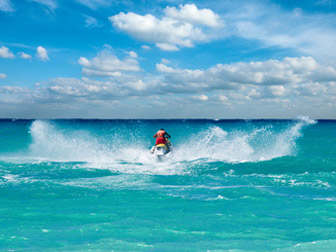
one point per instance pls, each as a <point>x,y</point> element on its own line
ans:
<point>52,143</point>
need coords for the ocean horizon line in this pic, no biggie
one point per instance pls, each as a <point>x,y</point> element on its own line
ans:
<point>164,119</point>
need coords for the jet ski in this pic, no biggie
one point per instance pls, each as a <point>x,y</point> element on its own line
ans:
<point>162,150</point>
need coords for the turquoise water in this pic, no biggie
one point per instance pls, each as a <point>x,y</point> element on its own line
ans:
<point>230,185</point>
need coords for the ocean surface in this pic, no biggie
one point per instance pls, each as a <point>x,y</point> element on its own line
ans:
<point>230,185</point>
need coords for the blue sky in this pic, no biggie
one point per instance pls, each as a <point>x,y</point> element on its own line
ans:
<point>167,59</point>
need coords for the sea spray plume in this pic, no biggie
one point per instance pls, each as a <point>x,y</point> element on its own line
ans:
<point>306,120</point>
<point>286,141</point>
<point>51,142</point>
<point>112,148</point>
<point>260,144</point>
<point>215,143</point>
<point>119,149</point>
<point>270,143</point>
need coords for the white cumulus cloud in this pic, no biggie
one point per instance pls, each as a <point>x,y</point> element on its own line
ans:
<point>133,54</point>
<point>24,55</point>
<point>167,47</point>
<point>41,53</point>
<point>107,64</point>
<point>146,47</point>
<point>191,14</point>
<point>201,98</point>
<point>3,76</point>
<point>179,28</point>
<point>6,53</point>
<point>85,88</point>
<point>277,90</point>
<point>276,75</point>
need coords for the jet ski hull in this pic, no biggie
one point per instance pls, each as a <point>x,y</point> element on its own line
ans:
<point>161,150</point>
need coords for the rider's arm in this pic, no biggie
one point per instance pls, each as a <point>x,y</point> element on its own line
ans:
<point>155,135</point>
<point>168,135</point>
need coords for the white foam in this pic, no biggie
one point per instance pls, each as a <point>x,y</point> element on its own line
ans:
<point>10,178</point>
<point>15,179</point>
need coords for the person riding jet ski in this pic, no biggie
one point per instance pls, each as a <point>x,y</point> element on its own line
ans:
<point>161,137</point>
<point>162,144</point>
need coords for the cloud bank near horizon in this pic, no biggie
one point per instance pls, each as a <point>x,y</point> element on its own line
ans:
<point>286,82</point>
